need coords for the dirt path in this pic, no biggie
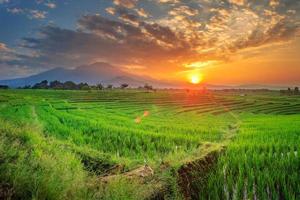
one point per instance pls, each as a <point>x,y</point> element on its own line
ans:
<point>35,118</point>
<point>194,174</point>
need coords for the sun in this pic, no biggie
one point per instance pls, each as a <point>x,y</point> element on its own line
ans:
<point>196,78</point>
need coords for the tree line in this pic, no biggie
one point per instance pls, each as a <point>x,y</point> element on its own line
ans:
<point>70,85</point>
<point>290,91</point>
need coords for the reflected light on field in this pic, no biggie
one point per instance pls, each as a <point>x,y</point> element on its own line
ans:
<point>138,119</point>
<point>146,113</point>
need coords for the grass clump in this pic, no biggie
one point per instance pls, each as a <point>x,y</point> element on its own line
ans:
<point>37,169</point>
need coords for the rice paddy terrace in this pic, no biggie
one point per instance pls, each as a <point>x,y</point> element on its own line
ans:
<point>196,145</point>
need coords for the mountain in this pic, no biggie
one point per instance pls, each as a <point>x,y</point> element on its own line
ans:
<point>92,74</point>
<point>57,73</point>
<point>108,74</point>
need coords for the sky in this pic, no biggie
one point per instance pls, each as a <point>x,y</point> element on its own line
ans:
<point>223,41</point>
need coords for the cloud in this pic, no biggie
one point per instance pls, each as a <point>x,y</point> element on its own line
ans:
<point>5,53</point>
<point>50,5</point>
<point>3,47</point>
<point>185,10</point>
<point>12,65</point>
<point>278,32</point>
<point>141,12</point>
<point>125,3</point>
<point>30,13</point>
<point>101,39</point>
<point>185,33</point>
<point>238,2</point>
<point>14,71</point>
<point>111,10</point>
<point>4,1</point>
<point>169,1</point>
<point>274,3</point>
<point>127,16</point>
<point>15,10</point>
<point>37,14</point>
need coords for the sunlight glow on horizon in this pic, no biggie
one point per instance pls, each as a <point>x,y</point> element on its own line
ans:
<point>196,78</point>
<point>201,64</point>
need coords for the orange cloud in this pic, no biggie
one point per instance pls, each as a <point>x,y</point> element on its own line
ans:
<point>125,3</point>
<point>238,2</point>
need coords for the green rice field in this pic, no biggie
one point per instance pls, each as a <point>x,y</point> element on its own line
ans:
<point>188,144</point>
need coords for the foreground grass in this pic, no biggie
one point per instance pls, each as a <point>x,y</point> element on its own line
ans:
<point>262,162</point>
<point>58,144</point>
<point>34,168</point>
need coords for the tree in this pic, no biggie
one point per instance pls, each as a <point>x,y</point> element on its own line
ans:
<point>289,91</point>
<point>5,87</point>
<point>42,85</point>
<point>100,86</point>
<point>109,87</point>
<point>83,86</point>
<point>69,85</point>
<point>27,87</point>
<point>296,91</point>
<point>124,85</point>
<point>148,87</point>
<point>56,85</point>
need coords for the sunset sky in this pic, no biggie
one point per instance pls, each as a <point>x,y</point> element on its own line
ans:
<point>225,41</point>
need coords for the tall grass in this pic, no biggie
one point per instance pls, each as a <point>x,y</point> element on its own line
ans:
<point>37,169</point>
<point>56,144</point>
<point>261,163</point>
